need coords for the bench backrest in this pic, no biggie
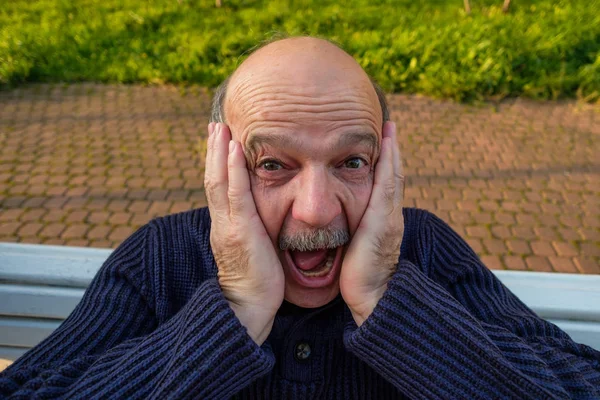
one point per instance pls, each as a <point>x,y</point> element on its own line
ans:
<point>40,285</point>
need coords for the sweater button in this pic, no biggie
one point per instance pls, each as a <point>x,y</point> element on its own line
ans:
<point>302,351</point>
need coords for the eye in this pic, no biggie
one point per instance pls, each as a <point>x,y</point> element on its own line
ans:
<point>270,165</point>
<point>355,163</point>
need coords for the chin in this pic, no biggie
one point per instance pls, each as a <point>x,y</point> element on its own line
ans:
<point>311,298</point>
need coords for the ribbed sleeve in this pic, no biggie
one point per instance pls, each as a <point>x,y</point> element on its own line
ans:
<point>202,352</point>
<point>479,341</point>
<point>111,346</point>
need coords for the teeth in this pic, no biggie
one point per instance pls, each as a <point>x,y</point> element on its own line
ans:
<point>322,271</point>
<point>329,261</point>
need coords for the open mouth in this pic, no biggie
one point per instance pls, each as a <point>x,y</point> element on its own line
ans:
<point>314,268</point>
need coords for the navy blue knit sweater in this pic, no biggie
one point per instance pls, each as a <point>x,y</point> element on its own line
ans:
<point>155,325</point>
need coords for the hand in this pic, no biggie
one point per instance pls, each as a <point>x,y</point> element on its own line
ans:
<point>249,271</point>
<point>372,257</point>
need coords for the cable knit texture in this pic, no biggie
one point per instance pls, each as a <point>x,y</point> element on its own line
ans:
<point>154,325</point>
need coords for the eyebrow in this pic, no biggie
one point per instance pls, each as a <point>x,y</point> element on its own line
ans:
<point>283,141</point>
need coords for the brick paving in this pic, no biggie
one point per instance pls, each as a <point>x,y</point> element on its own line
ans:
<point>86,165</point>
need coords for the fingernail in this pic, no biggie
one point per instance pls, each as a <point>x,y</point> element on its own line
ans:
<point>390,128</point>
<point>211,128</point>
<point>392,131</point>
<point>231,146</point>
<point>217,129</point>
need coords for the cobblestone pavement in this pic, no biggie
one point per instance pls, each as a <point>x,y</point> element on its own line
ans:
<point>86,165</point>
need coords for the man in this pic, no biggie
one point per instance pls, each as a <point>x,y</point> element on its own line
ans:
<point>304,278</point>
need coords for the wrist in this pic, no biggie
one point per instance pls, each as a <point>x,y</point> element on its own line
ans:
<point>258,322</point>
<point>361,312</point>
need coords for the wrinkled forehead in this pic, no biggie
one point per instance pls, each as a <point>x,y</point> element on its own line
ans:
<point>316,81</point>
<point>311,110</point>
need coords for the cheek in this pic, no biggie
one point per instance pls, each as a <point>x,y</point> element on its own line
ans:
<point>272,205</point>
<point>355,204</point>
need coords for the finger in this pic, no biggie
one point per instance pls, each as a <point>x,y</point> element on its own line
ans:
<point>241,202</point>
<point>216,169</point>
<point>384,186</point>
<point>209,145</point>
<point>397,161</point>
<point>391,130</point>
<point>382,170</point>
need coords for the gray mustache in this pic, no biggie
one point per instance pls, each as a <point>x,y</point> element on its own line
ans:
<point>323,238</point>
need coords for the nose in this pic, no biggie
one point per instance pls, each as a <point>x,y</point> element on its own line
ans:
<point>315,201</point>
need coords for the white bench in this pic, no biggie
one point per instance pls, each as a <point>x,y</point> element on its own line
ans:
<point>40,285</point>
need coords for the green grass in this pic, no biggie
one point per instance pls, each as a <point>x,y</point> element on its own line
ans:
<point>545,49</point>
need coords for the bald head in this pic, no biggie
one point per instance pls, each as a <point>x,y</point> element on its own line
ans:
<point>312,64</point>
